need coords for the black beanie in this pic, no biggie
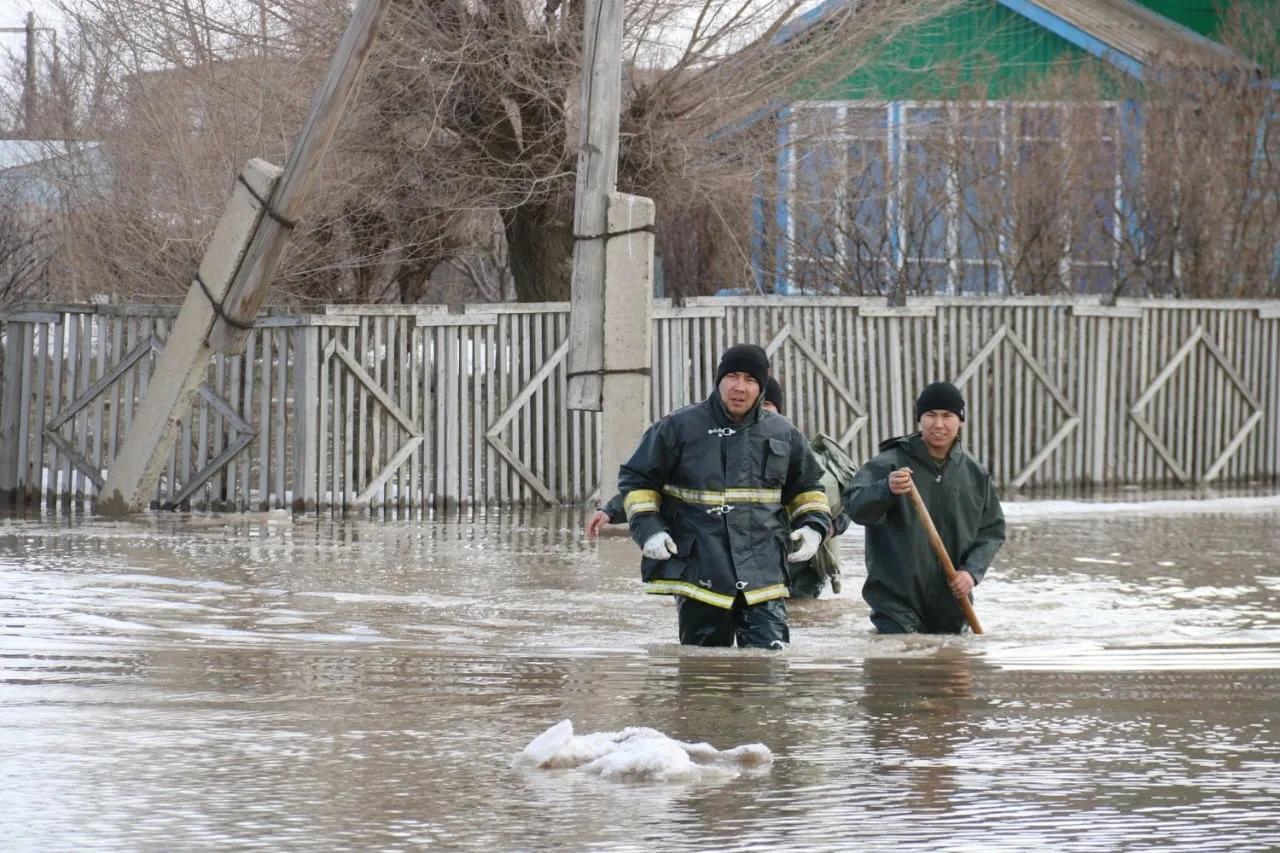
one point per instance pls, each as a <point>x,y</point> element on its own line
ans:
<point>744,358</point>
<point>773,394</point>
<point>940,396</point>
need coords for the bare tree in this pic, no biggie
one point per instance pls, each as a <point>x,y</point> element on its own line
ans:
<point>25,235</point>
<point>458,152</point>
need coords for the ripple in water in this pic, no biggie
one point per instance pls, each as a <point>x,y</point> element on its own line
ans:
<point>261,682</point>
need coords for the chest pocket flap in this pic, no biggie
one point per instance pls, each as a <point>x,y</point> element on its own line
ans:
<point>776,461</point>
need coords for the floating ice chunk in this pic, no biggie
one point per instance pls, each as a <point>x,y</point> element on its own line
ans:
<point>749,755</point>
<point>650,759</point>
<point>543,749</point>
<point>639,754</point>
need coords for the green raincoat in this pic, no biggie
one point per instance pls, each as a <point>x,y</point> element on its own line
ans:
<point>905,582</point>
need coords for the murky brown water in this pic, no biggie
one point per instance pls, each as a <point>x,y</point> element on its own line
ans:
<point>256,682</point>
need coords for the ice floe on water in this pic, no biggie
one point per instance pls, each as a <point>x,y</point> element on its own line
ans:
<point>1032,509</point>
<point>639,754</point>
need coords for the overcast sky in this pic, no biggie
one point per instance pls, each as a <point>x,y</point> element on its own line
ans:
<point>13,13</point>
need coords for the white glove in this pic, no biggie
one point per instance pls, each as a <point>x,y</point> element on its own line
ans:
<point>809,540</point>
<point>659,546</point>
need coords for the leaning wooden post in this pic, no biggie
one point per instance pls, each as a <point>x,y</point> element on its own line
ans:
<point>226,297</point>
<point>249,289</point>
<point>599,116</point>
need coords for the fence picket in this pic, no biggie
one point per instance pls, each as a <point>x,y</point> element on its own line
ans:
<point>1203,379</point>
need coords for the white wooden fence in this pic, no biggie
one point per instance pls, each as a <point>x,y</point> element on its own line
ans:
<point>409,407</point>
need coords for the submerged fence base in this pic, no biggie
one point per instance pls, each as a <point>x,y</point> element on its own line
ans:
<point>419,406</point>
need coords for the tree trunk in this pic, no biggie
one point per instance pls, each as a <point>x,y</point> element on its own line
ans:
<point>540,247</point>
<point>411,279</point>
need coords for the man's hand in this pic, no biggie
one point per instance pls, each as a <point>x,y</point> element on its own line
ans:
<point>660,546</point>
<point>900,481</point>
<point>961,585</point>
<point>596,523</point>
<point>809,540</point>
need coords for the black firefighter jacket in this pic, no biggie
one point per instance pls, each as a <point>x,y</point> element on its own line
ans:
<point>905,581</point>
<point>718,487</point>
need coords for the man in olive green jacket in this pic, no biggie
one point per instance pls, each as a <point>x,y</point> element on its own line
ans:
<point>906,587</point>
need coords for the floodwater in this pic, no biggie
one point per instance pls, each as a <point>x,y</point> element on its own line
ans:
<point>265,682</point>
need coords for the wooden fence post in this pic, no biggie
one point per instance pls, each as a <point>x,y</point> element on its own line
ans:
<point>10,413</point>
<point>306,401</point>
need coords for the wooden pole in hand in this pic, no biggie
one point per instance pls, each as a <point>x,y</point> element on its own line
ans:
<point>938,548</point>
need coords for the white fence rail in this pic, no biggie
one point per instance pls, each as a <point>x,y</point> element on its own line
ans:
<point>420,406</point>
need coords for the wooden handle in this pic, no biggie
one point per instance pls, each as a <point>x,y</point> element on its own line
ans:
<point>938,548</point>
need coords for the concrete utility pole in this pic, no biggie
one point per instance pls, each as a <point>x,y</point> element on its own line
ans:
<point>238,265</point>
<point>184,362</point>
<point>627,303</point>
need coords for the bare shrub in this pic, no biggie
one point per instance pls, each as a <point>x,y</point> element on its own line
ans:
<point>455,163</point>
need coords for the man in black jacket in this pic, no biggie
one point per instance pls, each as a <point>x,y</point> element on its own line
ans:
<point>703,494</point>
<point>906,587</point>
<point>614,513</point>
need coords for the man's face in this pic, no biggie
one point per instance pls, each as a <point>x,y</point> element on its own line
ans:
<point>739,392</point>
<point>769,407</point>
<point>939,429</point>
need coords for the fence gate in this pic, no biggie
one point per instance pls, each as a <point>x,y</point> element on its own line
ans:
<point>337,364</point>
<point>1219,387</point>
<point>1022,356</point>
<point>855,415</point>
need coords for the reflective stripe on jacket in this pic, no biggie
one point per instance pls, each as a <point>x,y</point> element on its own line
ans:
<point>718,488</point>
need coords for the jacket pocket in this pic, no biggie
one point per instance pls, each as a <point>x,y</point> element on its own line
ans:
<point>684,539</point>
<point>777,459</point>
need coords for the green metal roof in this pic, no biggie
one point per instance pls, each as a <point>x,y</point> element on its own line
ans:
<point>1002,49</point>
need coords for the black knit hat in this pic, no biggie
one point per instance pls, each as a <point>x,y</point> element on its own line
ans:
<point>773,394</point>
<point>744,358</point>
<point>940,396</point>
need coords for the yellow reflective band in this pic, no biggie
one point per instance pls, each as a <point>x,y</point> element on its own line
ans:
<point>808,502</point>
<point>728,496</point>
<point>759,496</point>
<point>766,593</point>
<point>641,500</point>
<point>691,590</point>
<point>693,496</point>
